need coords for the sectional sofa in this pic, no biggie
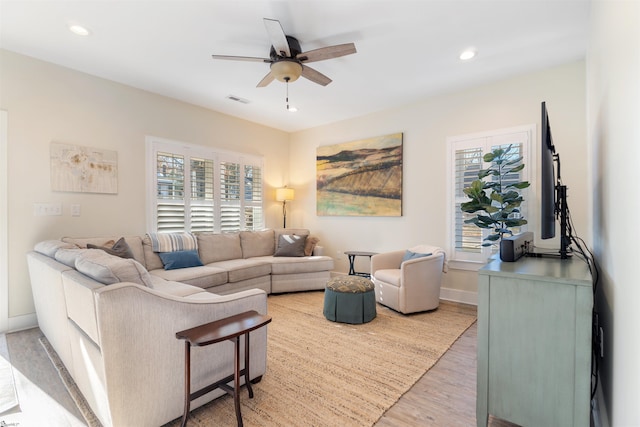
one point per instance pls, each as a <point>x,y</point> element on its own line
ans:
<point>113,320</point>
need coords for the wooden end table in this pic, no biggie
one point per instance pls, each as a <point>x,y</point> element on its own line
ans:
<point>352,257</point>
<point>230,328</point>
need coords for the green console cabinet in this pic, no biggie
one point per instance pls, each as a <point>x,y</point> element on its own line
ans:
<point>534,342</point>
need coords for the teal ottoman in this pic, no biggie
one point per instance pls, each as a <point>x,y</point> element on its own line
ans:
<point>350,299</point>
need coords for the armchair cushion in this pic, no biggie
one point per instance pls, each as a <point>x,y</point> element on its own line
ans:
<point>391,276</point>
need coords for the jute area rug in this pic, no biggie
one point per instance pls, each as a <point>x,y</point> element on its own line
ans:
<point>321,373</point>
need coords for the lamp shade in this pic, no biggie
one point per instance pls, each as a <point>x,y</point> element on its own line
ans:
<point>286,70</point>
<point>284,194</point>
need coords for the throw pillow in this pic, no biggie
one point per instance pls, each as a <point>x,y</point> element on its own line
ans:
<point>180,259</point>
<point>408,255</point>
<point>171,242</point>
<point>291,245</point>
<point>120,248</point>
<point>310,245</point>
<point>109,269</point>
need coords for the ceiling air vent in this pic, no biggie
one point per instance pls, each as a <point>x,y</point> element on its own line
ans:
<point>238,99</point>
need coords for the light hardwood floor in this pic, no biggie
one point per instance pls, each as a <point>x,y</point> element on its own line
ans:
<point>444,396</point>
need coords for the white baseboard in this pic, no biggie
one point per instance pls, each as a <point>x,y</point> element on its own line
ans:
<point>19,323</point>
<point>457,295</point>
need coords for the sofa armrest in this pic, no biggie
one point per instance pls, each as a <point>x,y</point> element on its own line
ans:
<point>144,360</point>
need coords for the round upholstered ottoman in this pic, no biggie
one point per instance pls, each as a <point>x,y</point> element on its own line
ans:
<point>350,299</point>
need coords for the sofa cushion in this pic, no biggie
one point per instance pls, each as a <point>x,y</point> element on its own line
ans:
<point>297,231</point>
<point>50,247</point>
<point>243,269</point>
<point>151,259</point>
<point>290,245</point>
<point>202,277</point>
<point>180,259</point>
<point>120,248</point>
<point>68,256</point>
<point>109,269</point>
<point>134,242</point>
<point>173,288</point>
<point>219,247</point>
<point>293,265</point>
<point>257,243</point>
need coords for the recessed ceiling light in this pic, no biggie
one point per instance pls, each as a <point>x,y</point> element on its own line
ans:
<point>468,54</point>
<point>79,30</point>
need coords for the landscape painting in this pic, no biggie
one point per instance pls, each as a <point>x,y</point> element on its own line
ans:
<point>360,178</point>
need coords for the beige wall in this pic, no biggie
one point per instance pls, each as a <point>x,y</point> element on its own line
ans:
<point>48,103</point>
<point>614,148</point>
<point>426,126</point>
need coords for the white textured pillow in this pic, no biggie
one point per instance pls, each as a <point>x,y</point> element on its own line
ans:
<point>110,269</point>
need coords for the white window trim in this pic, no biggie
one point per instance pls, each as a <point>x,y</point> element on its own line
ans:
<point>154,144</point>
<point>530,172</point>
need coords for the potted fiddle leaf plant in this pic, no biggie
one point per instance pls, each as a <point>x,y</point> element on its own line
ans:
<point>495,196</point>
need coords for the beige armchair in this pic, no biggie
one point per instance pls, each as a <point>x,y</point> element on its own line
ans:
<point>412,285</point>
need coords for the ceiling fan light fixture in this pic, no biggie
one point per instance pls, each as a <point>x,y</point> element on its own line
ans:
<point>286,70</point>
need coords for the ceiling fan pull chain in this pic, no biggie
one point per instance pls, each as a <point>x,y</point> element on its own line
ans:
<point>286,80</point>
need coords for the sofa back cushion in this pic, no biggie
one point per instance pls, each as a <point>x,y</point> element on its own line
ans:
<point>219,247</point>
<point>110,269</point>
<point>151,259</point>
<point>134,243</point>
<point>50,247</point>
<point>257,243</point>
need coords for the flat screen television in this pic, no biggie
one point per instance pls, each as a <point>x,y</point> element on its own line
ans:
<point>547,180</point>
<point>553,194</point>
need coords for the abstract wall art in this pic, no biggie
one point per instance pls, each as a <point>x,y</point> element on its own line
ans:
<point>360,178</point>
<point>83,169</point>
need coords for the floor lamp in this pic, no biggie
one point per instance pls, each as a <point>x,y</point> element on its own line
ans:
<point>284,195</point>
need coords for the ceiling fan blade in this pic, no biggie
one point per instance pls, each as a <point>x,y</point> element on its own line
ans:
<point>266,80</point>
<point>241,58</point>
<point>315,76</point>
<point>327,52</point>
<point>277,37</point>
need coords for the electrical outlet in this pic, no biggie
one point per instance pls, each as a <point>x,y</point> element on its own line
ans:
<point>75,210</point>
<point>47,209</point>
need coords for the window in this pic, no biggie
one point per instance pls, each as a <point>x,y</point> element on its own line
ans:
<point>199,189</point>
<point>465,160</point>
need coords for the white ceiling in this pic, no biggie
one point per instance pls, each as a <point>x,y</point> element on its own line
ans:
<point>407,50</point>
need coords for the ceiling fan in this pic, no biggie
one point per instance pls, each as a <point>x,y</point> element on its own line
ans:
<point>287,60</point>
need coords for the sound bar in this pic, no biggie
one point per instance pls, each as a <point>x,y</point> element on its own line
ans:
<point>512,248</point>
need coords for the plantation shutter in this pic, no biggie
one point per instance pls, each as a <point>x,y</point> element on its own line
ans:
<point>229,196</point>
<point>202,213</point>
<point>170,205</point>
<point>253,218</point>
<point>199,190</point>
<point>468,162</point>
